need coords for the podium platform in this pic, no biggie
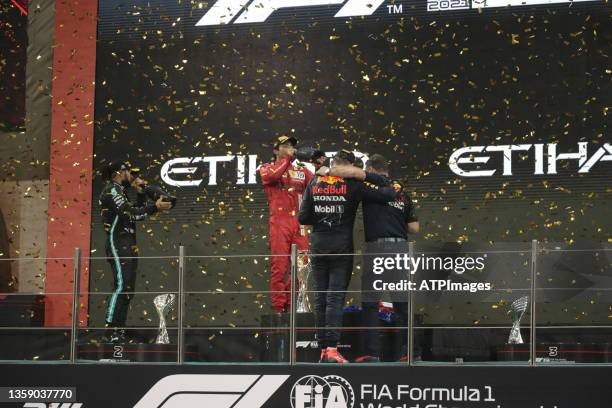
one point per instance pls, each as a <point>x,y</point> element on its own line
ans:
<point>275,346</point>
<point>557,352</point>
<point>134,352</point>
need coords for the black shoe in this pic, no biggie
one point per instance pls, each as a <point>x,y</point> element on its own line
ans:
<point>106,337</point>
<point>118,337</point>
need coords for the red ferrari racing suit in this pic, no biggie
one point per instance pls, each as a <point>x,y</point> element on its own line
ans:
<point>284,184</point>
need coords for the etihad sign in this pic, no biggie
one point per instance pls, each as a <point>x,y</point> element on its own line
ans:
<point>471,161</point>
<point>188,171</point>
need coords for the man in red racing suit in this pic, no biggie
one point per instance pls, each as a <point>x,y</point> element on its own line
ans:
<point>284,184</point>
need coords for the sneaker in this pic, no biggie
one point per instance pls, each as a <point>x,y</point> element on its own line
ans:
<point>323,357</point>
<point>333,356</point>
<point>106,337</point>
<point>367,359</point>
<point>118,336</point>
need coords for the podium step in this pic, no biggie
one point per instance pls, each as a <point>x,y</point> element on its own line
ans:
<point>557,352</point>
<point>134,352</point>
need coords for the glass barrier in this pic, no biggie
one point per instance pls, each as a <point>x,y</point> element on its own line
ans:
<point>446,303</point>
<point>395,303</point>
<point>232,313</point>
<point>477,314</point>
<point>133,296</point>
<point>573,312</point>
<point>28,330</point>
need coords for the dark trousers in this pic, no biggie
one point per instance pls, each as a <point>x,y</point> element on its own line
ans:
<point>371,320</point>
<point>331,278</point>
<point>122,257</point>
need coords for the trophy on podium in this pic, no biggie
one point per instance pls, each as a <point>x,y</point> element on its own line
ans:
<point>163,305</point>
<point>517,310</point>
<point>303,299</point>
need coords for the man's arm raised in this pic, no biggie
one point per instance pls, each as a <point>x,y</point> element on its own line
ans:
<point>352,172</point>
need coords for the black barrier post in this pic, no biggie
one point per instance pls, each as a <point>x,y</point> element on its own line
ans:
<point>409,314</point>
<point>75,304</point>
<point>181,334</point>
<point>294,269</point>
<point>532,348</point>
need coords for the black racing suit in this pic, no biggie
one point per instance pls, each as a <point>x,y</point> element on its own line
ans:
<point>330,205</point>
<point>386,222</point>
<point>119,216</point>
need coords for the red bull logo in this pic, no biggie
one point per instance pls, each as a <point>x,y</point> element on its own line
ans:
<point>330,189</point>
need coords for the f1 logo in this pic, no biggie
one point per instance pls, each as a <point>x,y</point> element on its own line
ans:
<point>212,390</point>
<point>257,11</point>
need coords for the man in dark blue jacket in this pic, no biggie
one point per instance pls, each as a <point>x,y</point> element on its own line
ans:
<point>385,224</point>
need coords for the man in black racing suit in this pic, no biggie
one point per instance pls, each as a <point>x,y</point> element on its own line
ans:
<point>119,216</point>
<point>330,204</point>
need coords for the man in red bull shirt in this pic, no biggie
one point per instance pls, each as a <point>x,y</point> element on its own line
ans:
<point>330,206</point>
<point>284,184</point>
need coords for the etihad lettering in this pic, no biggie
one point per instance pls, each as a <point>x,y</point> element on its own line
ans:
<point>543,163</point>
<point>195,171</point>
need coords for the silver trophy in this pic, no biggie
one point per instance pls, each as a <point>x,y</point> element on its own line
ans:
<point>517,310</point>
<point>163,305</point>
<point>303,304</point>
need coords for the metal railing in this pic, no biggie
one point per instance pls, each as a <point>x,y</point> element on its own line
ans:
<point>535,250</point>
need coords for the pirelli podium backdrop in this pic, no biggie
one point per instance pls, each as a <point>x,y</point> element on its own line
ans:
<point>494,117</point>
